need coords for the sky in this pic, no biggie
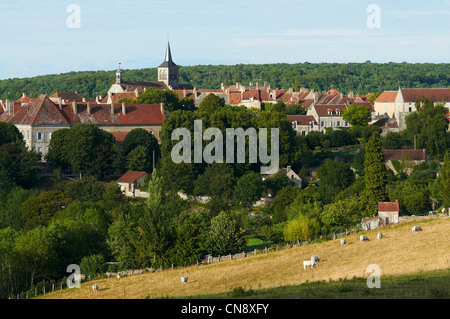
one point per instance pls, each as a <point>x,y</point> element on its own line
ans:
<point>40,37</point>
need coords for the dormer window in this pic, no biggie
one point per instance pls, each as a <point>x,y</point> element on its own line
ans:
<point>330,112</point>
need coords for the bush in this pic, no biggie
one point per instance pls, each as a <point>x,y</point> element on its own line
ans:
<point>93,265</point>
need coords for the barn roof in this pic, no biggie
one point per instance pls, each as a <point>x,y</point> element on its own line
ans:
<point>404,155</point>
<point>388,206</point>
<point>130,177</point>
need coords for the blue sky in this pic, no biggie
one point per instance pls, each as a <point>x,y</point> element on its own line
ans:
<point>36,39</point>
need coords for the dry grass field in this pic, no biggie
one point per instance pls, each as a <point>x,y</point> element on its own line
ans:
<point>399,252</point>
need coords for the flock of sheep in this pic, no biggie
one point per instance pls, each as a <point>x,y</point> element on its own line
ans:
<point>315,259</point>
<point>307,263</point>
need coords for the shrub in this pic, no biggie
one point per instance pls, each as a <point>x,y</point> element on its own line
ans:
<point>93,265</point>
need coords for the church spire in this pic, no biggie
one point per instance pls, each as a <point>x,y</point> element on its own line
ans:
<point>168,53</point>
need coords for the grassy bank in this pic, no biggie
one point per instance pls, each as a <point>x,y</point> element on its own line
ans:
<point>402,255</point>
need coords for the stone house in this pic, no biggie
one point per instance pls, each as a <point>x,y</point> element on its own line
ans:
<point>303,124</point>
<point>130,181</point>
<point>37,120</point>
<point>389,212</point>
<point>290,174</point>
<point>408,158</point>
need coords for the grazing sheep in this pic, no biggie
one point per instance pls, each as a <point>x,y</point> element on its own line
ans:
<point>363,238</point>
<point>379,236</point>
<point>184,279</point>
<point>309,263</point>
<point>315,258</point>
<point>343,241</point>
<point>95,287</point>
<point>416,228</point>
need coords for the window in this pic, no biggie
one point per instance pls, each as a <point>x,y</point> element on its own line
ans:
<point>39,135</point>
<point>322,124</point>
<point>409,109</point>
<point>338,123</point>
<point>50,135</point>
<point>40,149</point>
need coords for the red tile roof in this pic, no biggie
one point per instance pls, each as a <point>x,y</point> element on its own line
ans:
<point>68,96</point>
<point>44,112</point>
<point>388,206</point>
<point>135,114</point>
<point>301,119</point>
<point>119,136</point>
<point>322,109</point>
<point>404,155</point>
<point>435,95</point>
<point>41,112</point>
<point>386,96</point>
<point>130,177</point>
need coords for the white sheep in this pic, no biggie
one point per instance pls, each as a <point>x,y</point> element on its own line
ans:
<point>309,263</point>
<point>363,238</point>
<point>379,235</point>
<point>95,287</point>
<point>416,228</point>
<point>184,279</point>
<point>343,241</point>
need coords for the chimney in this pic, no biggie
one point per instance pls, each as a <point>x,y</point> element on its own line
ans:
<point>60,105</point>
<point>112,109</point>
<point>162,108</point>
<point>88,109</point>
<point>124,109</point>
<point>222,87</point>
<point>74,107</point>
<point>97,99</point>
<point>10,107</point>
<point>184,92</point>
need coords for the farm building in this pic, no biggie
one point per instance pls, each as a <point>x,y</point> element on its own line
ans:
<point>130,181</point>
<point>389,212</point>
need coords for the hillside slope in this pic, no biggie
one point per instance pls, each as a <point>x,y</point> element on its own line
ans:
<point>400,251</point>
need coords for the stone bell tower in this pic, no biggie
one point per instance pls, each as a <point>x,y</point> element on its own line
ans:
<point>168,71</point>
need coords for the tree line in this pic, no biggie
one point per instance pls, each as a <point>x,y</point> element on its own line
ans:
<point>360,78</point>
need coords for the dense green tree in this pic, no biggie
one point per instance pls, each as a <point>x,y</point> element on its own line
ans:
<point>40,209</point>
<point>430,125</point>
<point>93,265</point>
<point>9,133</point>
<point>249,188</point>
<point>90,150</point>
<point>283,199</point>
<point>333,178</point>
<point>301,228</point>
<point>57,150</point>
<point>357,115</point>
<point>139,160</point>
<point>210,104</point>
<point>375,174</point>
<point>123,241</point>
<point>443,181</point>
<point>86,189</point>
<point>188,236</point>
<point>224,236</point>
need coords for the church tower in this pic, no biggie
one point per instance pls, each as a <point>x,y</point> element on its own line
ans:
<point>168,70</point>
<point>119,75</point>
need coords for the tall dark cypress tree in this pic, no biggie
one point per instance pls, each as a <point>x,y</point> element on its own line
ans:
<point>375,174</point>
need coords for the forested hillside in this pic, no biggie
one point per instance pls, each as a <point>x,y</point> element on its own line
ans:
<point>360,78</point>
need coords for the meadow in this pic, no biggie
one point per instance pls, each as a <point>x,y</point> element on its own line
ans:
<point>417,262</point>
